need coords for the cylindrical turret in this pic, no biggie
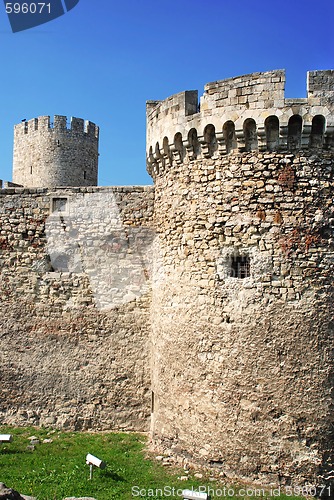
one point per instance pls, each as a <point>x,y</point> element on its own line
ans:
<point>49,155</point>
<point>242,306</point>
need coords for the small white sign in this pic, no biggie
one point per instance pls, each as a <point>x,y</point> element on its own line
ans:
<point>6,438</point>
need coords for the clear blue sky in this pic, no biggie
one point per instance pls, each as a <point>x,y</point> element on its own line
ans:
<point>103,59</point>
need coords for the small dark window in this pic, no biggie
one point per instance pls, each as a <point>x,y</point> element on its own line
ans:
<point>85,174</point>
<point>210,138</point>
<point>165,146</point>
<point>250,134</point>
<point>193,142</point>
<point>31,170</point>
<point>240,267</point>
<point>59,205</point>
<point>295,126</point>
<point>229,136</point>
<point>178,143</point>
<point>152,402</point>
<point>60,263</point>
<point>317,131</point>
<point>272,132</point>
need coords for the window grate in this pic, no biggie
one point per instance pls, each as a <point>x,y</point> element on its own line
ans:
<point>240,267</point>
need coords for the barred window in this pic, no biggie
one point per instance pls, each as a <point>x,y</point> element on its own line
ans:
<point>240,267</point>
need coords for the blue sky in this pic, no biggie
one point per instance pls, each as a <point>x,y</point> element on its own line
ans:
<point>103,59</point>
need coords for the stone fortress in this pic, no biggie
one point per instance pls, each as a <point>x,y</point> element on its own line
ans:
<point>221,338</point>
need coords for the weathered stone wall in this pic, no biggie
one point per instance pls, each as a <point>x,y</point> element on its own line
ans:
<point>69,356</point>
<point>52,155</point>
<point>242,368</point>
<point>236,332</point>
<point>242,327</point>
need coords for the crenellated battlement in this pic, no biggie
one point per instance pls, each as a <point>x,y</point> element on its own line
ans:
<point>60,124</point>
<point>244,113</point>
<point>58,153</point>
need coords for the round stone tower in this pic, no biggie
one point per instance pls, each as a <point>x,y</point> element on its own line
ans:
<point>242,313</point>
<point>49,155</point>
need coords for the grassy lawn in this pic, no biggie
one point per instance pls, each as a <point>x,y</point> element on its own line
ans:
<point>56,470</point>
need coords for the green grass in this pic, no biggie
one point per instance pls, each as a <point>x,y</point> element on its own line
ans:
<point>57,470</point>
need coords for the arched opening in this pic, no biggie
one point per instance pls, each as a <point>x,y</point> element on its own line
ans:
<point>165,146</point>
<point>250,134</point>
<point>150,160</point>
<point>210,139</point>
<point>178,144</point>
<point>271,126</point>
<point>157,153</point>
<point>157,159</point>
<point>295,126</point>
<point>193,142</point>
<point>229,136</point>
<point>317,131</point>
<point>150,154</point>
<point>167,158</point>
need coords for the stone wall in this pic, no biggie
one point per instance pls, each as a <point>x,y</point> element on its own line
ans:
<point>207,300</point>
<point>242,363</point>
<point>55,154</point>
<point>70,356</point>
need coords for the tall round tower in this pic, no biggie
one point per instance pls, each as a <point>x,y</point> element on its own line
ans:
<point>243,291</point>
<point>49,155</point>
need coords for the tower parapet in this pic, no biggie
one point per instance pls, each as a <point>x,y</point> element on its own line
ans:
<point>55,154</point>
<point>245,113</point>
